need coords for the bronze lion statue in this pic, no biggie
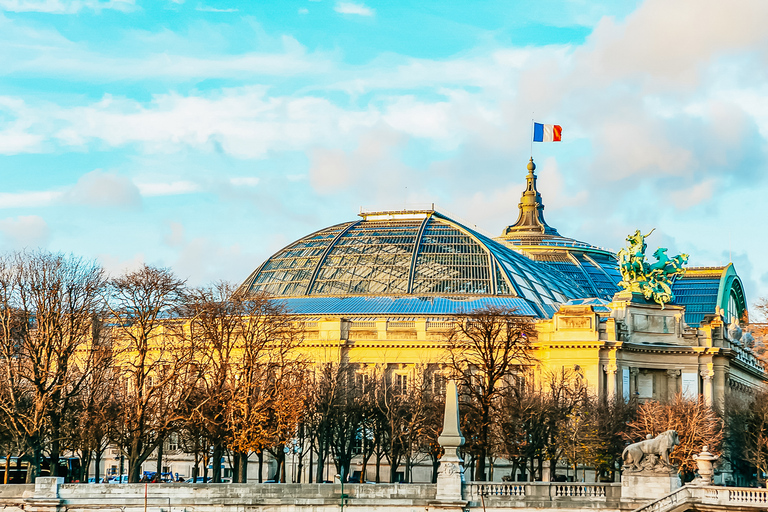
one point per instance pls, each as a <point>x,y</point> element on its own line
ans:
<point>661,446</point>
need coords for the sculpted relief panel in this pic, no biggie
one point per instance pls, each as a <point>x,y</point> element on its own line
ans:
<point>574,322</point>
<point>654,324</point>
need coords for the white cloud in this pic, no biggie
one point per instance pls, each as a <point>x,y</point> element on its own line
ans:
<point>168,189</point>
<point>693,196</point>
<point>116,266</point>
<point>29,199</point>
<point>24,232</point>
<point>247,181</point>
<point>35,51</point>
<point>673,41</point>
<point>353,8</point>
<point>205,8</point>
<point>303,10</point>
<point>102,189</point>
<point>176,236</point>
<point>65,6</point>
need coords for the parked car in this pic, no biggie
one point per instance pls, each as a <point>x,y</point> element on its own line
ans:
<point>123,479</point>
<point>208,480</point>
<point>198,480</point>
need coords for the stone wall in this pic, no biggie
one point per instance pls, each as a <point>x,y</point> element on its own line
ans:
<point>51,495</point>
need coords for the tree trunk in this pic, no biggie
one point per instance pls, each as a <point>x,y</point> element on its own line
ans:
<point>311,462</point>
<point>97,463</point>
<point>159,467</point>
<point>18,468</point>
<point>54,459</point>
<point>242,468</point>
<point>6,478</point>
<point>34,464</point>
<point>216,462</point>
<point>260,455</point>
<point>236,467</point>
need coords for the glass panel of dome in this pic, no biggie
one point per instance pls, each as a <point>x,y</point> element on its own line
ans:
<point>575,274</point>
<point>289,271</point>
<point>371,258</point>
<point>450,261</point>
<point>733,308</point>
<point>604,285</point>
<point>502,288</point>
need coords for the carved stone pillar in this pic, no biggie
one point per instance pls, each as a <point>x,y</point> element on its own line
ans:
<point>633,393</point>
<point>450,476</point>
<point>706,376</point>
<point>720,387</point>
<point>672,387</point>
<point>610,379</point>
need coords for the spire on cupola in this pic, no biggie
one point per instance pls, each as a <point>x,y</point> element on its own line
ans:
<point>531,220</point>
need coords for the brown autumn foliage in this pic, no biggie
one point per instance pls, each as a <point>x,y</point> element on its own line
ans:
<point>696,424</point>
<point>486,349</point>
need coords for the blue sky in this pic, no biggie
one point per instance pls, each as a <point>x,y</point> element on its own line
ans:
<point>206,135</point>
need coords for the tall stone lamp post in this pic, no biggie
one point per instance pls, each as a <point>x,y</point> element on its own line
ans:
<point>450,476</point>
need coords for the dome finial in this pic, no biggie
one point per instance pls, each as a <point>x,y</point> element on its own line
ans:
<point>531,165</point>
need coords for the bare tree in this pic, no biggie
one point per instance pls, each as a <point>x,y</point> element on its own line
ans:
<point>154,360</point>
<point>746,441</point>
<point>49,303</point>
<point>486,349</point>
<point>696,424</point>
<point>213,326</point>
<point>268,390</point>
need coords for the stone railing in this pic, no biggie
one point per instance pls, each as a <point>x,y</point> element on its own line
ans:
<point>534,492</point>
<point>667,502</point>
<point>721,497</point>
<point>397,324</point>
<point>362,325</point>
<point>51,495</point>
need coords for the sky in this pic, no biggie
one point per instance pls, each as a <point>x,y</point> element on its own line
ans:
<point>205,135</point>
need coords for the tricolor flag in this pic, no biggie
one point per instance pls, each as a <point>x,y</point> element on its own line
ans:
<point>547,132</point>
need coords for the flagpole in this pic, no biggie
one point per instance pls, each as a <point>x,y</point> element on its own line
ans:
<point>531,138</point>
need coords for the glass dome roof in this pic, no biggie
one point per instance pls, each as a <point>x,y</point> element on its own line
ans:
<point>594,268</point>
<point>409,253</point>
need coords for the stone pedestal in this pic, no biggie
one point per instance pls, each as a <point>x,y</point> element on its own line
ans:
<point>648,485</point>
<point>46,497</point>
<point>450,475</point>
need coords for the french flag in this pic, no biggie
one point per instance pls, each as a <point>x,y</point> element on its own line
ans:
<point>547,132</point>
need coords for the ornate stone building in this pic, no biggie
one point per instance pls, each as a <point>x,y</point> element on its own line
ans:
<point>381,292</point>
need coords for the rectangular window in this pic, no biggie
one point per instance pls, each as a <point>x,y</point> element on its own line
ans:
<point>438,384</point>
<point>400,383</point>
<point>363,382</point>
<point>173,442</point>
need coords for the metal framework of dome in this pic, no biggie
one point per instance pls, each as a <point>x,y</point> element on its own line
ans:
<point>594,268</point>
<point>416,253</point>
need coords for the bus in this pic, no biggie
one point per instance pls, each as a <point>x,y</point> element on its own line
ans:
<point>69,468</point>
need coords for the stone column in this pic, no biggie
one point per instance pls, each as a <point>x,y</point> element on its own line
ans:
<point>706,376</point>
<point>720,387</point>
<point>450,476</point>
<point>633,382</point>
<point>610,379</point>
<point>672,376</point>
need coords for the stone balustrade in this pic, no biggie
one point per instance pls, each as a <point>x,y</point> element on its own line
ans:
<point>722,498</point>
<point>537,494</point>
<point>50,495</point>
